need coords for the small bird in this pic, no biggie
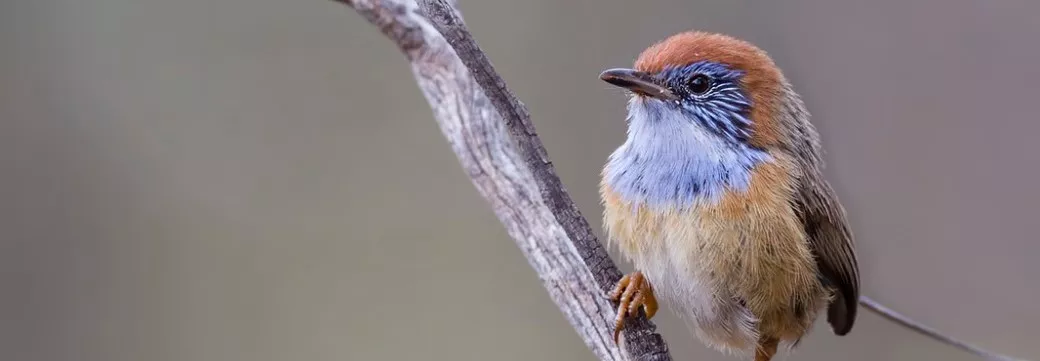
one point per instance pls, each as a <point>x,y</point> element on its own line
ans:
<point>718,200</point>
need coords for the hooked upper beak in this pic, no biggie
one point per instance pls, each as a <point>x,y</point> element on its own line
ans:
<point>638,82</point>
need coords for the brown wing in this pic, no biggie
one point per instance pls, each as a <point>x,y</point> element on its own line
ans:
<point>831,242</point>
<point>821,214</point>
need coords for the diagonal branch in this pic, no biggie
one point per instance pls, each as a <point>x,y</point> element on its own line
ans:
<point>510,168</point>
<point>450,24</point>
<point>491,132</point>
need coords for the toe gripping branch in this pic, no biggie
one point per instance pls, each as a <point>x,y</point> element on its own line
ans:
<point>632,293</point>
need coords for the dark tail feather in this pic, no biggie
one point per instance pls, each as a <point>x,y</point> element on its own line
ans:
<point>842,314</point>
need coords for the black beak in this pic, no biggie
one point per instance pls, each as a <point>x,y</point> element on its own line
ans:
<point>638,82</point>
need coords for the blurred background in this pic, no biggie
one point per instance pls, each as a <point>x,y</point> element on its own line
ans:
<point>262,180</point>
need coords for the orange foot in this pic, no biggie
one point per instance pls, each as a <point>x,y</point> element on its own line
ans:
<point>632,292</point>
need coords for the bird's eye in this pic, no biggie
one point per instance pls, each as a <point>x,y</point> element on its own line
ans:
<point>699,84</point>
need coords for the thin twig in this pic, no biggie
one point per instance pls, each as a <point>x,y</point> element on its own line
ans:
<point>491,132</point>
<point>892,315</point>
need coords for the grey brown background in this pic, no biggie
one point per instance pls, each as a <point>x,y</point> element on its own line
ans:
<point>261,180</point>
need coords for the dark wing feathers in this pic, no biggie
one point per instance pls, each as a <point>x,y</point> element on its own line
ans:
<point>821,214</point>
<point>831,242</point>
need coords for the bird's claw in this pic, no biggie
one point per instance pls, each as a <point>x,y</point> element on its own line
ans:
<point>631,293</point>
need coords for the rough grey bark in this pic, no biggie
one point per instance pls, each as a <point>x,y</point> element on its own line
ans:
<point>496,143</point>
<point>510,168</point>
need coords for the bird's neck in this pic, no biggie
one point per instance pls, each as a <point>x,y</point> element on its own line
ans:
<point>678,164</point>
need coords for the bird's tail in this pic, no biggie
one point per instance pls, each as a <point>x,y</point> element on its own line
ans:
<point>896,317</point>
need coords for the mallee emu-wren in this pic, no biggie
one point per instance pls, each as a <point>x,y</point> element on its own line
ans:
<point>717,197</point>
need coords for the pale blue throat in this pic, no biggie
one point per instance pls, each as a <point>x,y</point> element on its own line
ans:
<point>689,151</point>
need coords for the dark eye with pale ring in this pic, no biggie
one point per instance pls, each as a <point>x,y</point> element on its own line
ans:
<point>699,84</point>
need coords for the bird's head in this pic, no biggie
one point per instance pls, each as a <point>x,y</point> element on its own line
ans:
<point>726,87</point>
